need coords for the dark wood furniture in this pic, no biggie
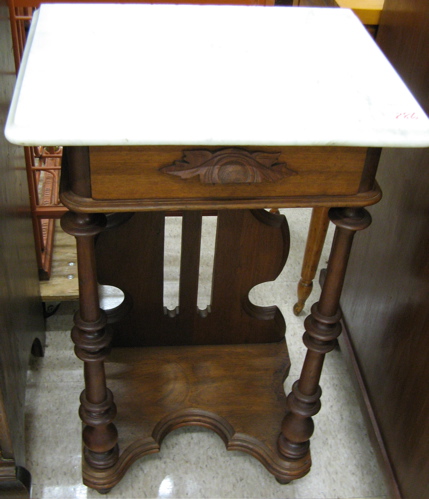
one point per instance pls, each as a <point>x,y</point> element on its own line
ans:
<point>21,318</point>
<point>386,309</point>
<point>150,152</point>
<point>197,367</point>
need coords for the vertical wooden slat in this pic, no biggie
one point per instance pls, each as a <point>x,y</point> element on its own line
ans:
<point>190,262</point>
<point>227,262</point>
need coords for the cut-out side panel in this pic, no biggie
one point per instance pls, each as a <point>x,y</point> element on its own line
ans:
<point>118,313</point>
<point>131,257</point>
<point>115,303</point>
<point>251,247</point>
<point>110,296</point>
<point>116,219</point>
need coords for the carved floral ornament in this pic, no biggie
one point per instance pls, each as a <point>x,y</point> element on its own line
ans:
<point>229,166</point>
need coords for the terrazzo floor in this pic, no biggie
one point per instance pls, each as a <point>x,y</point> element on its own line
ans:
<point>193,462</point>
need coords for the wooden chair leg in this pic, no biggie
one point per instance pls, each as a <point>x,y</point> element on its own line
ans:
<point>322,328</point>
<point>316,237</point>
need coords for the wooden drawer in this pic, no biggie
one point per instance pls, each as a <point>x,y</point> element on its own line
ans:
<point>226,173</point>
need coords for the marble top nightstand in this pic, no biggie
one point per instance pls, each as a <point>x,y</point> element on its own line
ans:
<point>151,75</point>
<point>203,110</point>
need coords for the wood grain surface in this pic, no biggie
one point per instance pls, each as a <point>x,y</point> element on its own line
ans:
<point>385,301</point>
<point>136,173</point>
<point>235,391</point>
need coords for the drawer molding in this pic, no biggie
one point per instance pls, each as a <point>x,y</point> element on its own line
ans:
<point>229,166</point>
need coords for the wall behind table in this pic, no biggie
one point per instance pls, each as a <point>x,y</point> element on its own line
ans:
<point>386,296</point>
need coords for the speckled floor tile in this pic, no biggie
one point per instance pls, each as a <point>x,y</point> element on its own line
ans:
<point>193,462</point>
<point>344,464</point>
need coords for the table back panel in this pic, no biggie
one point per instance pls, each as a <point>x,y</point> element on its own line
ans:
<point>251,248</point>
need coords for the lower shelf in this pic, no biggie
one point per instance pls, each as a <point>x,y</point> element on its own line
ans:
<point>235,390</point>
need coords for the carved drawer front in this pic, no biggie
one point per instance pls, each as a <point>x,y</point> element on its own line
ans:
<point>181,173</point>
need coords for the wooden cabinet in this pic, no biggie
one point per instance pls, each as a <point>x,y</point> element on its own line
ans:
<point>21,319</point>
<point>387,308</point>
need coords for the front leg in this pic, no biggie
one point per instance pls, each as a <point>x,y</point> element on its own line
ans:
<point>92,340</point>
<point>322,327</point>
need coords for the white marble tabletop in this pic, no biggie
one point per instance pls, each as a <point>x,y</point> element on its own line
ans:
<point>114,74</point>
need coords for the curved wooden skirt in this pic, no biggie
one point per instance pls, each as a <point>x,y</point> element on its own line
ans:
<point>235,390</point>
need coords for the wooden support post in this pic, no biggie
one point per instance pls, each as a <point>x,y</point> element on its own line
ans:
<point>92,340</point>
<point>322,327</point>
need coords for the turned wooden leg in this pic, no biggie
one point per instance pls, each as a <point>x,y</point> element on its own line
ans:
<point>322,327</point>
<point>316,237</point>
<point>92,340</point>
